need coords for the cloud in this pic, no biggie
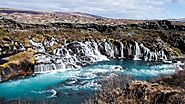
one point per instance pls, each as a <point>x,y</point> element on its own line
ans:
<point>109,8</point>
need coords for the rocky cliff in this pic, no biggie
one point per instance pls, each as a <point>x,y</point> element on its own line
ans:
<point>50,41</point>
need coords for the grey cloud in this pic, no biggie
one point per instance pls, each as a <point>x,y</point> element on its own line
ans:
<point>110,8</point>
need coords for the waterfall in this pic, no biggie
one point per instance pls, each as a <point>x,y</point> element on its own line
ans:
<point>64,57</point>
<point>57,52</point>
<point>21,47</point>
<point>60,66</point>
<point>14,48</point>
<point>146,52</point>
<point>137,52</point>
<point>109,49</point>
<point>97,53</point>
<point>129,49</point>
<point>66,53</point>
<point>42,58</point>
<point>49,43</point>
<point>52,41</point>
<point>39,47</point>
<point>65,43</point>
<point>41,68</point>
<point>0,78</point>
<point>153,56</point>
<point>162,55</point>
<point>77,54</point>
<point>112,50</point>
<point>121,49</point>
<point>91,50</point>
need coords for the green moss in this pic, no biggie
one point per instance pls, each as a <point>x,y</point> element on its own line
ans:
<point>22,57</point>
<point>174,51</point>
<point>50,49</point>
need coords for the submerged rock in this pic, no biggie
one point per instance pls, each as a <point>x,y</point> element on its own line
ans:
<point>116,68</point>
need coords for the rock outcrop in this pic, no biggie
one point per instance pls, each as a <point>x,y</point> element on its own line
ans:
<point>18,65</point>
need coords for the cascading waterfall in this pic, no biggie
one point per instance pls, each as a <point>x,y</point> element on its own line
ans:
<point>146,52</point>
<point>109,49</point>
<point>21,47</point>
<point>137,52</point>
<point>122,49</point>
<point>39,47</point>
<point>64,57</point>
<point>44,68</point>
<point>41,68</point>
<point>85,52</point>
<point>129,49</point>
<point>60,66</point>
<point>153,56</point>
<point>77,54</point>
<point>91,49</point>
<point>50,43</point>
<point>65,43</point>
<point>90,53</point>
<point>162,55</point>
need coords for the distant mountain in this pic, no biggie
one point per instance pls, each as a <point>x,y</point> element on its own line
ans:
<point>180,19</point>
<point>81,14</point>
<point>11,11</point>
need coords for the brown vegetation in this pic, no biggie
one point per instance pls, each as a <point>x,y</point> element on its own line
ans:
<point>22,57</point>
<point>166,90</point>
<point>177,80</point>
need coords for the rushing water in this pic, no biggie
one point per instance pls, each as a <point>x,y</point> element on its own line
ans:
<point>75,85</point>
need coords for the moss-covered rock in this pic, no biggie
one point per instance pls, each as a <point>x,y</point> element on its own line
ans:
<point>18,65</point>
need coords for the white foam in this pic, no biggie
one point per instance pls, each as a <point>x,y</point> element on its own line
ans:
<point>151,72</point>
<point>137,52</point>
<point>116,68</point>
<point>54,93</point>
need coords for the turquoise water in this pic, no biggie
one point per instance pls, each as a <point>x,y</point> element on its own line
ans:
<point>75,85</point>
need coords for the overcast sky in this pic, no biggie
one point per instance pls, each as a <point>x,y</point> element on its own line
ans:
<point>134,9</point>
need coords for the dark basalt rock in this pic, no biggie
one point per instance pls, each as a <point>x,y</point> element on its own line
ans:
<point>159,24</point>
<point>117,51</point>
<point>155,24</point>
<point>178,41</point>
<point>75,48</point>
<point>16,71</point>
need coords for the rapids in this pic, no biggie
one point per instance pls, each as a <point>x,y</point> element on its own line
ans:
<point>75,85</point>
